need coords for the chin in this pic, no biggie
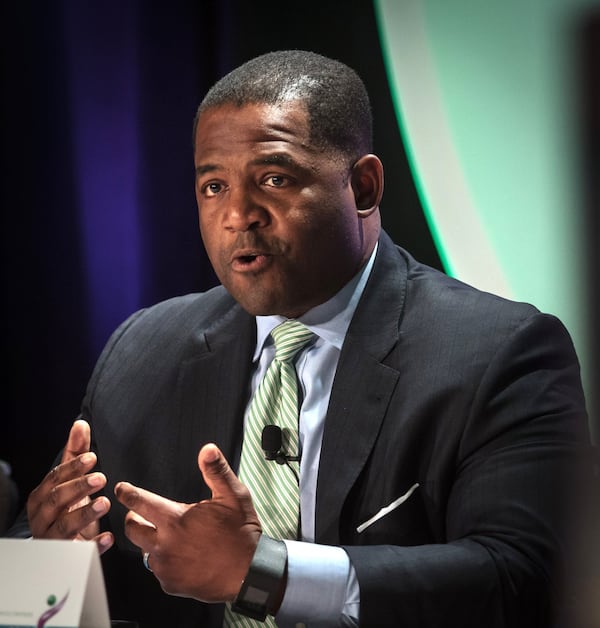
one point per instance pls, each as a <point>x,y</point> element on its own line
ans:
<point>262,302</point>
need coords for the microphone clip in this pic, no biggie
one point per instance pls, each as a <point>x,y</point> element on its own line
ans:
<point>271,443</point>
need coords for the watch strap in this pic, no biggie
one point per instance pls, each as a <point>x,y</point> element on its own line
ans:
<point>262,585</point>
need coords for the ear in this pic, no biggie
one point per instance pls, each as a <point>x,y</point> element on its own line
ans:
<point>367,184</point>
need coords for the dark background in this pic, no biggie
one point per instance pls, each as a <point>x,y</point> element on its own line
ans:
<point>97,199</point>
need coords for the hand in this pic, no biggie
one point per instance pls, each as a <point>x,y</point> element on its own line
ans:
<point>198,550</point>
<point>61,507</point>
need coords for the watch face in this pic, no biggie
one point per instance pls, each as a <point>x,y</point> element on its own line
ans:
<point>255,596</point>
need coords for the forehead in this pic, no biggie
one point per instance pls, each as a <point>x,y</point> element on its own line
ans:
<point>253,127</point>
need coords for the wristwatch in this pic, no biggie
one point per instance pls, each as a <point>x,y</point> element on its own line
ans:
<point>262,585</point>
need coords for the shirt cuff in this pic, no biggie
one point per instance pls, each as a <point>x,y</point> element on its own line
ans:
<point>322,588</point>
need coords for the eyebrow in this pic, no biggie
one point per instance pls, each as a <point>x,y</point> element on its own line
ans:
<point>274,159</point>
<point>204,168</point>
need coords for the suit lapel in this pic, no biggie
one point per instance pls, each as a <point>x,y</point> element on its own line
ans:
<point>362,388</point>
<point>213,385</point>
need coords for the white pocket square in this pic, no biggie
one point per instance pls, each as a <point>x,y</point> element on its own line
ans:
<point>387,509</point>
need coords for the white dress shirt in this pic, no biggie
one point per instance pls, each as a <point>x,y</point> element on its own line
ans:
<point>322,588</point>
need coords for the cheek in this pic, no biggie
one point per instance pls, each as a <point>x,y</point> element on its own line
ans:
<point>208,239</point>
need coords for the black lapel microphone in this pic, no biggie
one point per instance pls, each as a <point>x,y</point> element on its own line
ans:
<point>271,441</point>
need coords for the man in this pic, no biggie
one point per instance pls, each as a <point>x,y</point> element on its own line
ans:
<point>439,425</point>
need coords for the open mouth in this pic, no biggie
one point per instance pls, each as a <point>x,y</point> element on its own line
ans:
<point>247,259</point>
<point>250,262</point>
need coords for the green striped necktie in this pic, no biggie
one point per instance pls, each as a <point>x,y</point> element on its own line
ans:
<point>274,487</point>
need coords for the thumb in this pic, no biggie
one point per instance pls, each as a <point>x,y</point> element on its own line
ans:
<point>78,441</point>
<point>217,473</point>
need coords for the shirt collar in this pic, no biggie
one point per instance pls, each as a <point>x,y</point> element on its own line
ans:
<point>330,320</point>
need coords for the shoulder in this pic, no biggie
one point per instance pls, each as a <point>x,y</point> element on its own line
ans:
<point>449,304</point>
<point>418,296</point>
<point>171,330</point>
<point>182,315</point>
<point>439,314</point>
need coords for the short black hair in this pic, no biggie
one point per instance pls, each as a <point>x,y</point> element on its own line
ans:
<point>336,99</point>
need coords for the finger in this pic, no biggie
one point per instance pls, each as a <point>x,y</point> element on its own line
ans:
<point>104,541</point>
<point>71,469</point>
<point>137,519</point>
<point>152,507</point>
<point>140,531</point>
<point>64,487</point>
<point>218,475</point>
<point>79,440</point>
<point>70,524</point>
<point>57,493</point>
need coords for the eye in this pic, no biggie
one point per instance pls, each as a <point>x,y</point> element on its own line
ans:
<point>212,188</point>
<point>275,180</point>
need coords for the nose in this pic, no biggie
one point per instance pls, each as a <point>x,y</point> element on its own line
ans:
<point>244,212</point>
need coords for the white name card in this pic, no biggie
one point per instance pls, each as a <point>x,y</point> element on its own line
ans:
<point>53,584</point>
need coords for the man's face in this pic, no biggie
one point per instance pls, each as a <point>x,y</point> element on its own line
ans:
<point>277,216</point>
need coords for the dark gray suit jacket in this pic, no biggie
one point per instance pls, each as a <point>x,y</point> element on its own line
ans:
<point>476,398</point>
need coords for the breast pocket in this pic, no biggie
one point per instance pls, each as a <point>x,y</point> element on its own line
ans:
<point>401,521</point>
<point>386,510</point>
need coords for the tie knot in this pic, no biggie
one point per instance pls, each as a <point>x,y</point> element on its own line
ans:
<point>289,338</point>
